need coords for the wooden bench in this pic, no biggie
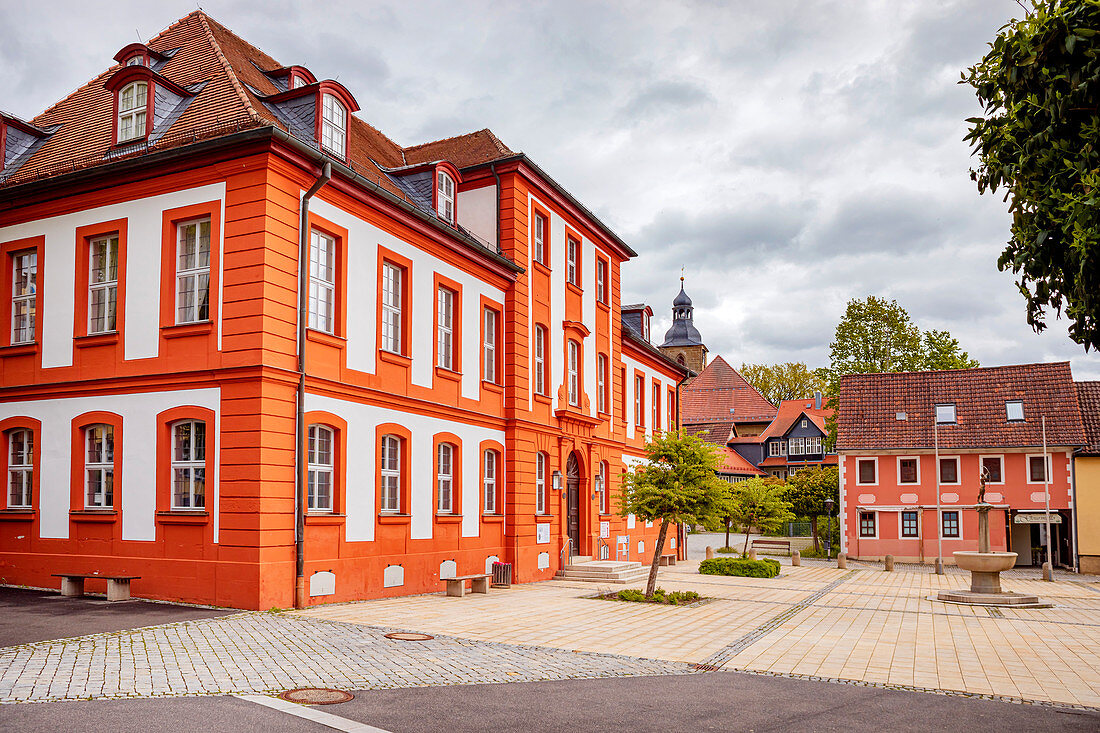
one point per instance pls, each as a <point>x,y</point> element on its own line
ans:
<point>669,559</point>
<point>118,586</point>
<point>777,544</point>
<point>478,584</point>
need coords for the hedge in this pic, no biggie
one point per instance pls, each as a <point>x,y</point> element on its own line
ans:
<point>765,568</point>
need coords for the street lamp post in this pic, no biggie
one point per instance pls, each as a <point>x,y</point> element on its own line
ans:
<point>829,528</point>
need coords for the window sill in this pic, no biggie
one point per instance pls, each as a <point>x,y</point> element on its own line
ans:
<point>606,308</point>
<point>18,514</point>
<point>96,339</point>
<point>325,518</point>
<point>392,358</point>
<point>183,330</point>
<point>328,339</point>
<point>541,266</point>
<point>543,519</point>
<point>445,373</point>
<point>183,516</point>
<point>543,399</point>
<point>93,515</point>
<point>574,288</point>
<point>19,349</point>
<point>492,386</point>
<point>492,518</point>
<point>448,518</point>
<point>394,518</point>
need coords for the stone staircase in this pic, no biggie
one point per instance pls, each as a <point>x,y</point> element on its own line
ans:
<point>584,568</point>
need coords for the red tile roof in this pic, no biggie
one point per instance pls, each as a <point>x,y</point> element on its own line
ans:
<point>720,394</point>
<point>869,404</point>
<point>733,462</point>
<point>829,460</point>
<point>1088,398</point>
<point>711,432</point>
<point>791,410</point>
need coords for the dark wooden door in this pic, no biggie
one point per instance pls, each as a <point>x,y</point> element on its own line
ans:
<point>573,503</point>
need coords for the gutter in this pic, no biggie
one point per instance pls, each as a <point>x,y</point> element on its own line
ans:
<point>300,598</point>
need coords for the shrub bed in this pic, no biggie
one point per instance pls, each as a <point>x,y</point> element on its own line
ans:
<point>764,568</point>
<point>660,595</point>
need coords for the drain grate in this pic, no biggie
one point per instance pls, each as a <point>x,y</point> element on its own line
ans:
<point>316,696</point>
<point>406,636</point>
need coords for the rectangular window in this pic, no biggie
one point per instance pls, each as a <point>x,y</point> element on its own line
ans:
<point>655,407</point>
<point>1014,411</point>
<point>1035,470</point>
<point>993,467</point>
<point>867,471</point>
<point>489,347</point>
<point>445,196</point>
<point>540,360</point>
<point>193,271</point>
<point>102,283</point>
<point>907,471</point>
<point>444,478</point>
<point>540,483</point>
<point>319,460</point>
<point>783,448</point>
<point>670,418</point>
<point>909,526</point>
<point>603,489</point>
<point>99,467</point>
<point>639,401</point>
<point>20,467</point>
<point>540,239</point>
<point>490,482</point>
<point>189,465</point>
<point>24,295</point>
<point>945,414</point>
<point>601,281</point>
<point>867,524</point>
<point>445,303</point>
<point>574,373</point>
<point>572,268</point>
<point>391,307</point>
<point>773,447</point>
<point>950,524</point>
<point>949,470</point>
<point>322,282</point>
<point>796,446</point>
<point>601,383</point>
<point>391,474</point>
<point>334,125</point>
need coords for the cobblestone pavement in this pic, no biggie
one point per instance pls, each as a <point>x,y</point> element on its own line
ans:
<point>270,652</point>
<point>860,626</point>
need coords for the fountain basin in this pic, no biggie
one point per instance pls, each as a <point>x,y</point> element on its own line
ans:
<point>985,562</point>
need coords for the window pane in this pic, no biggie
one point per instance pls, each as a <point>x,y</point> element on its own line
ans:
<point>993,469</point>
<point>1035,469</point>
<point>866,472</point>
<point>908,471</point>
<point>949,471</point>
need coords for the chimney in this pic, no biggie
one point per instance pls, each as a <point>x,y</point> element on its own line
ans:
<point>817,400</point>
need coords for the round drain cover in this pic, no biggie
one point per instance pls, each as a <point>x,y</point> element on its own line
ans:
<point>316,696</point>
<point>403,636</point>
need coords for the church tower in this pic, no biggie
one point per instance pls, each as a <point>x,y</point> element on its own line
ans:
<point>683,344</point>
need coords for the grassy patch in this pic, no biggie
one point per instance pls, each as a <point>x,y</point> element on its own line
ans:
<point>673,598</point>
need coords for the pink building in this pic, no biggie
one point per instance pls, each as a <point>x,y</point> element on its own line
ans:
<point>986,418</point>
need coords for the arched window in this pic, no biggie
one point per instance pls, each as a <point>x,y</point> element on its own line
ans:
<point>541,463</point>
<point>391,474</point>
<point>99,466</point>
<point>680,360</point>
<point>320,462</point>
<point>489,481</point>
<point>189,464</point>
<point>131,111</point>
<point>20,468</point>
<point>334,125</point>
<point>444,478</point>
<point>574,373</point>
<point>445,196</point>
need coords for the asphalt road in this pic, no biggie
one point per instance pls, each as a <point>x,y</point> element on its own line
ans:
<point>33,615</point>
<point>718,701</point>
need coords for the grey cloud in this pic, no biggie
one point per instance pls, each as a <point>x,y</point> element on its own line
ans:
<point>664,98</point>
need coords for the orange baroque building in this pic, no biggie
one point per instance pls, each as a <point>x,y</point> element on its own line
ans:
<point>259,354</point>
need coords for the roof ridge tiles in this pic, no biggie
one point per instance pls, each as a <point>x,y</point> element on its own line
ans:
<point>448,139</point>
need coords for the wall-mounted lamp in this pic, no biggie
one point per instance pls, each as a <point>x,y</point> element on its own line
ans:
<point>557,481</point>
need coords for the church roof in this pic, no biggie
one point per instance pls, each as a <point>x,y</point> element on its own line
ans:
<point>683,331</point>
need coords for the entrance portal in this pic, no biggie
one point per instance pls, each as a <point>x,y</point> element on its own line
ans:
<point>573,503</point>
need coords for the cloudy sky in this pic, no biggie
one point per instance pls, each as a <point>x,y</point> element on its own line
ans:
<point>788,155</point>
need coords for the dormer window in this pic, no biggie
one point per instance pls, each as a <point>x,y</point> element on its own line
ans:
<point>136,60</point>
<point>334,125</point>
<point>131,111</point>
<point>298,82</point>
<point>445,196</point>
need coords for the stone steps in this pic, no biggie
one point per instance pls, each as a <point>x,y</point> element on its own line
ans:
<point>603,571</point>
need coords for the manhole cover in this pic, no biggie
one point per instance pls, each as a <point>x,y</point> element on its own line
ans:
<point>403,636</point>
<point>316,696</point>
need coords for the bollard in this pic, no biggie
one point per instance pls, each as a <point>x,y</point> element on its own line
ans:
<point>752,554</point>
<point>710,552</point>
<point>889,563</point>
<point>796,558</point>
<point>1048,571</point>
<point>939,566</point>
<point>842,561</point>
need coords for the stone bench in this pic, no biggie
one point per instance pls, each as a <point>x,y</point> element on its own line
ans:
<point>669,559</point>
<point>776,544</point>
<point>456,586</point>
<point>118,586</point>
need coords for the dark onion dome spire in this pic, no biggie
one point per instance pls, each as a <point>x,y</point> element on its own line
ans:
<point>683,331</point>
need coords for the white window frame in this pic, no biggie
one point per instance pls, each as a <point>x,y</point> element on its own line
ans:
<point>943,516</point>
<point>655,407</point>
<point>945,406</point>
<point>670,417</point>
<point>796,446</point>
<point>958,471</point>
<point>605,505</point>
<point>189,464</point>
<point>445,196</point>
<point>601,280</point>
<point>322,282</point>
<point>571,253</point>
<point>538,236</point>
<point>390,472</point>
<point>773,448</point>
<point>1001,459</point>
<point>334,125</point>
<point>908,458</point>
<point>601,383</point>
<point>859,524</point>
<point>105,468</point>
<point>901,523</point>
<point>639,401</point>
<point>540,359</point>
<point>444,478</point>
<point>541,461</point>
<point>1009,405</point>
<point>445,310</point>
<point>573,349</point>
<point>320,463</point>
<point>489,346</point>
<point>24,301</point>
<point>107,287</point>
<point>132,108</point>
<point>804,423</point>
<point>872,459</point>
<point>192,275</point>
<point>392,317</point>
<point>1027,469</point>
<point>489,468</point>
<point>20,464</point>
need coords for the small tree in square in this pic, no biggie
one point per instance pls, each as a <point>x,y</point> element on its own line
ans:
<point>761,505</point>
<point>677,484</point>
<point>807,491</point>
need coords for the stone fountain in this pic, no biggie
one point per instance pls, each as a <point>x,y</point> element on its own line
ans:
<point>986,567</point>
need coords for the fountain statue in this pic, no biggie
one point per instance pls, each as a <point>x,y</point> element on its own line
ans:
<point>986,566</point>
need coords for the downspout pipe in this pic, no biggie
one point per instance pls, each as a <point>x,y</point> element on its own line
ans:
<point>300,598</point>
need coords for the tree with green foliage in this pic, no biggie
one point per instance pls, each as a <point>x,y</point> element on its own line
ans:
<point>807,491</point>
<point>788,381</point>
<point>759,504</point>
<point>941,351</point>
<point>677,484</point>
<point>1039,140</point>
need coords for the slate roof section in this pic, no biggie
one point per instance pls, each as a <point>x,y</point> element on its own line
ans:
<point>790,411</point>
<point>734,463</point>
<point>1088,399</point>
<point>717,390</point>
<point>868,404</point>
